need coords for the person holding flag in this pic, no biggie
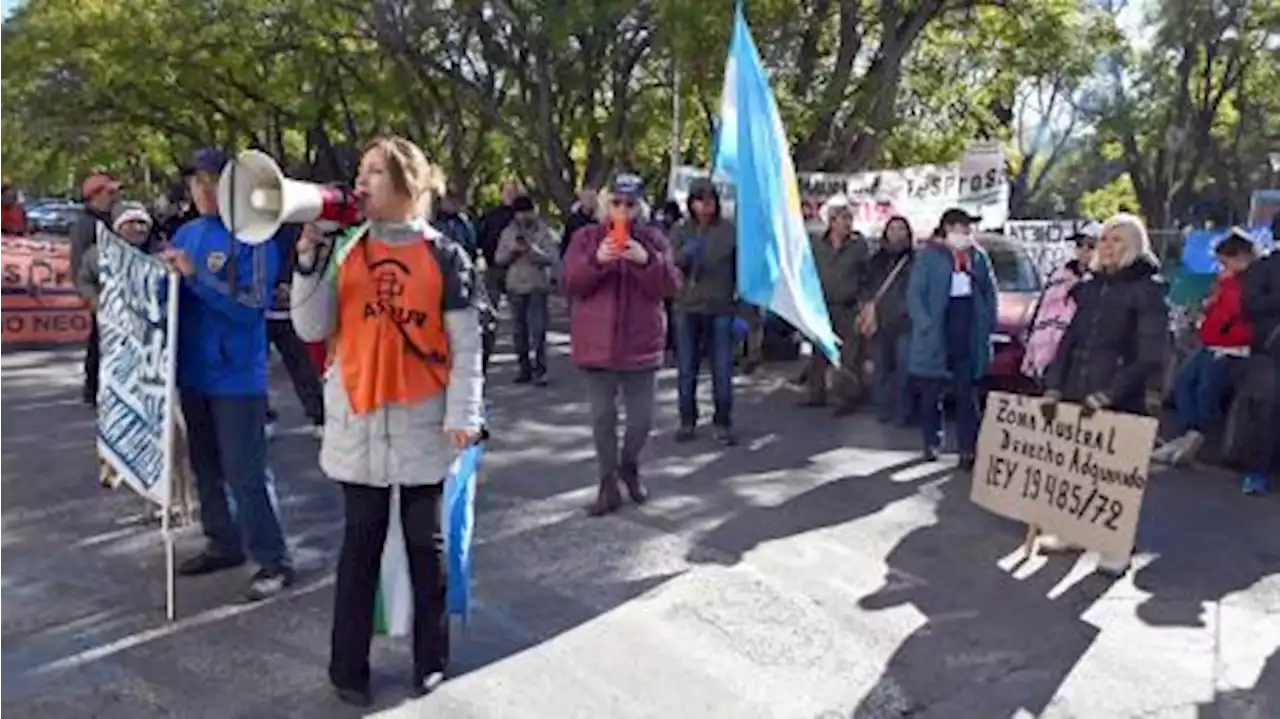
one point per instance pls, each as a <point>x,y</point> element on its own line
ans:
<point>776,268</point>
<point>403,396</point>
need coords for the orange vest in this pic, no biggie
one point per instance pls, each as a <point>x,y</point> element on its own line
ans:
<point>390,341</point>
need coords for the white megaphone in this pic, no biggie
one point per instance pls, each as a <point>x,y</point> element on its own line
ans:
<point>255,199</point>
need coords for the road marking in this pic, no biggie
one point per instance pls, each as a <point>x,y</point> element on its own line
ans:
<point>210,616</point>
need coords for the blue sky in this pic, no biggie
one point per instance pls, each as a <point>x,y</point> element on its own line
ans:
<point>7,6</point>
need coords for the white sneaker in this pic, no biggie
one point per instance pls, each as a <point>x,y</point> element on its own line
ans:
<point>1052,543</point>
<point>1188,448</point>
<point>317,431</point>
<point>1165,453</point>
<point>270,430</point>
<point>1114,566</point>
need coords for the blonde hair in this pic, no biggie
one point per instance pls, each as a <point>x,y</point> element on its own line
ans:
<point>1133,233</point>
<point>410,171</point>
<point>604,201</point>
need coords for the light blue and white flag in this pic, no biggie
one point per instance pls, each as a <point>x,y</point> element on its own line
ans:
<point>775,260</point>
<point>393,611</point>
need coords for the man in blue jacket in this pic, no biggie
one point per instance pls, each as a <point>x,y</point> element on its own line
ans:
<point>222,378</point>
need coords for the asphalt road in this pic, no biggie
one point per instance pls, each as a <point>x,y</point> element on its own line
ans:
<point>817,570</point>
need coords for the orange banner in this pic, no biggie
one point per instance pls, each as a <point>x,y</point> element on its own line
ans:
<point>40,303</point>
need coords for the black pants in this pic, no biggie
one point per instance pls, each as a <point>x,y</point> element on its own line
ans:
<point>303,373</point>
<point>368,509</point>
<point>92,361</point>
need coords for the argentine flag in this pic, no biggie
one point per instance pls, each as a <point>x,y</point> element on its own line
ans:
<point>393,611</point>
<point>775,259</point>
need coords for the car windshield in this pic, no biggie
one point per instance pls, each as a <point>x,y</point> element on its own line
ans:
<point>1014,270</point>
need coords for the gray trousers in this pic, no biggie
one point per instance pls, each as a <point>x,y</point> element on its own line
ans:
<point>637,389</point>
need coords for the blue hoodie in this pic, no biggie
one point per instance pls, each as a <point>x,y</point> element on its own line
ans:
<point>222,339</point>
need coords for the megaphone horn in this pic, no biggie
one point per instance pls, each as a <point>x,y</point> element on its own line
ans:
<point>255,199</point>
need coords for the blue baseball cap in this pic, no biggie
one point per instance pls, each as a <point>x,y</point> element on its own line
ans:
<point>627,186</point>
<point>207,159</point>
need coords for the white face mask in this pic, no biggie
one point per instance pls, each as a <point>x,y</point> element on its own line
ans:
<point>959,240</point>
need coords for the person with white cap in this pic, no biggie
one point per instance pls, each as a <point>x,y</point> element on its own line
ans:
<point>841,256</point>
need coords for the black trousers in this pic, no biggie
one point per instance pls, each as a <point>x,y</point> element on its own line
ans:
<point>92,361</point>
<point>368,510</point>
<point>303,373</point>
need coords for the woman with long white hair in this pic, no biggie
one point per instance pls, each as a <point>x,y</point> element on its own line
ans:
<point>1116,340</point>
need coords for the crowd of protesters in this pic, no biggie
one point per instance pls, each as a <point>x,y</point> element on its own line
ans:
<point>392,401</point>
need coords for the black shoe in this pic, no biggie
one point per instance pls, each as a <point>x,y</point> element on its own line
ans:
<point>845,410</point>
<point>686,434</point>
<point>523,378</point>
<point>207,563</point>
<point>354,697</point>
<point>267,583</point>
<point>629,475</point>
<point>812,402</point>
<point>966,463</point>
<point>608,497</point>
<point>725,436</point>
<point>540,379</point>
<point>429,683</point>
<point>930,454</point>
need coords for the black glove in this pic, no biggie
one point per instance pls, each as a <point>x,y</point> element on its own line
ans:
<point>1049,408</point>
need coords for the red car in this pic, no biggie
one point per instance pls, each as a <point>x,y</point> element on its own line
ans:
<point>1018,287</point>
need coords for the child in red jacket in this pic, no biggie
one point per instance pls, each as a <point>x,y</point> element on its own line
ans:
<point>1203,381</point>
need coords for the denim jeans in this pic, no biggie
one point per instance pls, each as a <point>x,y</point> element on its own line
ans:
<point>698,335</point>
<point>531,317</point>
<point>227,444</point>
<point>892,384</point>
<point>964,390</point>
<point>1199,389</point>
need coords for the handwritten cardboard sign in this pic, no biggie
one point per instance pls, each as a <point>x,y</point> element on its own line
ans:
<point>1079,478</point>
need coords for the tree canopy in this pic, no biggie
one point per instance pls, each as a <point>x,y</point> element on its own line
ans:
<point>558,93</point>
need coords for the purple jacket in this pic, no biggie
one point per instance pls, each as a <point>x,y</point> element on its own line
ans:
<point>617,317</point>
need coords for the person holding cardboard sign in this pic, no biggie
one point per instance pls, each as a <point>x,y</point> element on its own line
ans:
<point>1116,340</point>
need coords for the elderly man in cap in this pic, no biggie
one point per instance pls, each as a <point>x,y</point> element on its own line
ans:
<point>222,379</point>
<point>100,193</point>
<point>841,256</point>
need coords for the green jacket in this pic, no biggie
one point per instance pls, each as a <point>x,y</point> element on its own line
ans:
<point>708,258</point>
<point>842,272</point>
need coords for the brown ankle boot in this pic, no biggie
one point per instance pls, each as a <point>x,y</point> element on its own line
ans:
<point>608,498</point>
<point>630,476</point>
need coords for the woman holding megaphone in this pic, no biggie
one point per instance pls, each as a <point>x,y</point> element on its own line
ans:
<point>403,394</point>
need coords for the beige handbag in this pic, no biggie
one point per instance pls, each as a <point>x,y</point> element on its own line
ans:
<point>867,323</point>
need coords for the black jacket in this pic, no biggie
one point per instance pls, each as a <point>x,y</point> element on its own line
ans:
<point>1116,341</point>
<point>491,226</point>
<point>84,234</point>
<point>891,310</point>
<point>1262,304</point>
<point>576,221</point>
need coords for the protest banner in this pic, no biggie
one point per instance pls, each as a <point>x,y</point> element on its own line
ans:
<point>41,306</point>
<point>1047,241</point>
<point>1079,478</point>
<point>920,193</point>
<point>1264,207</point>
<point>138,331</point>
